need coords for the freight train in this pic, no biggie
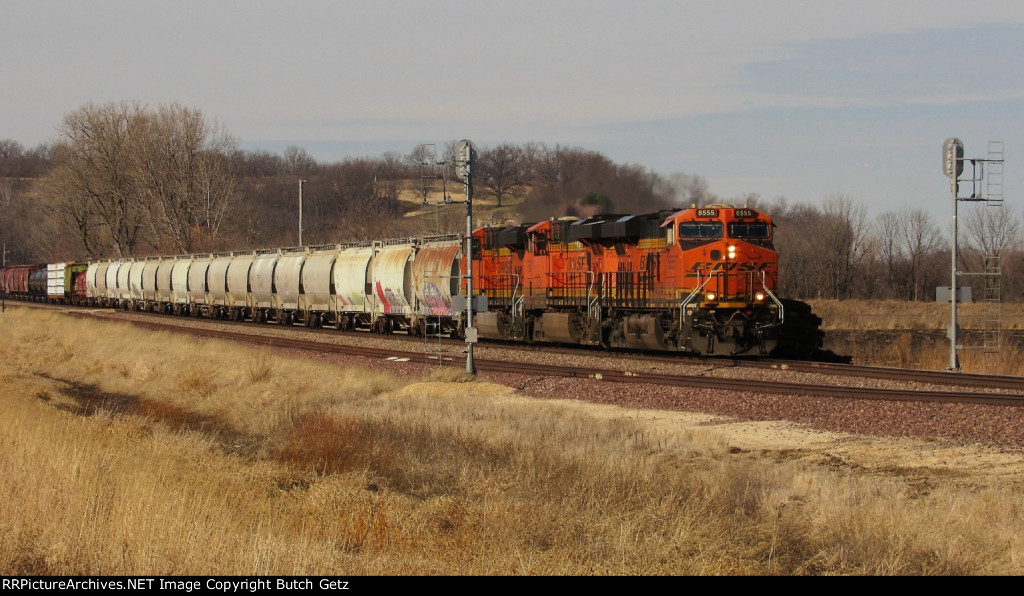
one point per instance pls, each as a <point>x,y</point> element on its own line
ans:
<point>698,280</point>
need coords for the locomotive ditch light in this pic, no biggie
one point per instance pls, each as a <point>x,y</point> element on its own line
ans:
<point>759,297</point>
<point>710,296</point>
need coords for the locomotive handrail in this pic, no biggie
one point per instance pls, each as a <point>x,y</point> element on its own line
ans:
<point>592,296</point>
<point>689,299</point>
<point>570,277</point>
<point>693,294</point>
<point>593,310</point>
<point>771,295</point>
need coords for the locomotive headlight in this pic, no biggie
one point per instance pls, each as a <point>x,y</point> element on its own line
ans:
<point>732,252</point>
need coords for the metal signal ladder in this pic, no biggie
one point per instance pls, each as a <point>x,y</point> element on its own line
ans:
<point>992,324</point>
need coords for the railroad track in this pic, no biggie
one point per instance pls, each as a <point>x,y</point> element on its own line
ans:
<point>618,375</point>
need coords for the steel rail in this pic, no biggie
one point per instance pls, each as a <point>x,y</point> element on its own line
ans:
<point>611,375</point>
<point>958,379</point>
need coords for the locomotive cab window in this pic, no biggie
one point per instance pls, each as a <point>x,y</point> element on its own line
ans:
<point>700,229</point>
<point>538,243</point>
<point>752,230</point>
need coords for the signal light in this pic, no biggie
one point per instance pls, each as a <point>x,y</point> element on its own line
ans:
<point>953,157</point>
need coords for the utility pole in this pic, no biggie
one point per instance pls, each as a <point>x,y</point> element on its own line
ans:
<point>301,182</point>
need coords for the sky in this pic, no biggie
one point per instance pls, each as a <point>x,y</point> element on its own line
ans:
<point>805,100</point>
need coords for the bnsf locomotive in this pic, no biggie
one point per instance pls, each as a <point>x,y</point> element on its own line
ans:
<point>700,280</point>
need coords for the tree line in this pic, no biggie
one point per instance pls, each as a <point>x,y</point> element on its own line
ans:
<point>126,180</point>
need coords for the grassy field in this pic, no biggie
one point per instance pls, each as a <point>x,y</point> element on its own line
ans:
<point>883,315</point>
<point>913,334</point>
<point>132,453</point>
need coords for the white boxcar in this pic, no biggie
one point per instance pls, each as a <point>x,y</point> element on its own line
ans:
<point>352,279</point>
<point>55,280</point>
<point>261,280</point>
<point>217,280</point>
<point>288,280</point>
<point>391,279</point>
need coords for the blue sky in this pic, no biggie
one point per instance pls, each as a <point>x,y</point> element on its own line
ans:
<point>801,99</point>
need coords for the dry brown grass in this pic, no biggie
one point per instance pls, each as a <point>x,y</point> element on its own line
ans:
<point>144,454</point>
<point>913,334</point>
<point>873,315</point>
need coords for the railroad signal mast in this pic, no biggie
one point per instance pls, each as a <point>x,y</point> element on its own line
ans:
<point>953,168</point>
<point>465,167</point>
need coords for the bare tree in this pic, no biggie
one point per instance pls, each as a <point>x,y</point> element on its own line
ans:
<point>298,161</point>
<point>687,190</point>
<point>181,166</point>
<point>843,236</point>
<point>450,154</point>
<point>258,164</point>
<point>75,216</point>
<point>502,170</point>
<point>796,239</point>
<point>351,201</point>
<point>17,162</point>
<point>922,240</point>
<point>136,176</point>
<point>992,231</point>
<point>16,215</point>
<point>908,242</point>
<point>393,166</point>
<point>570,181</point>
<point>890,253</point>
<point>422,154</point>
<point>94,157</point>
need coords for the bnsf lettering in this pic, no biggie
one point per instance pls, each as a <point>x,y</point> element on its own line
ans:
<point>576,263</point>
<point>738,267</point>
